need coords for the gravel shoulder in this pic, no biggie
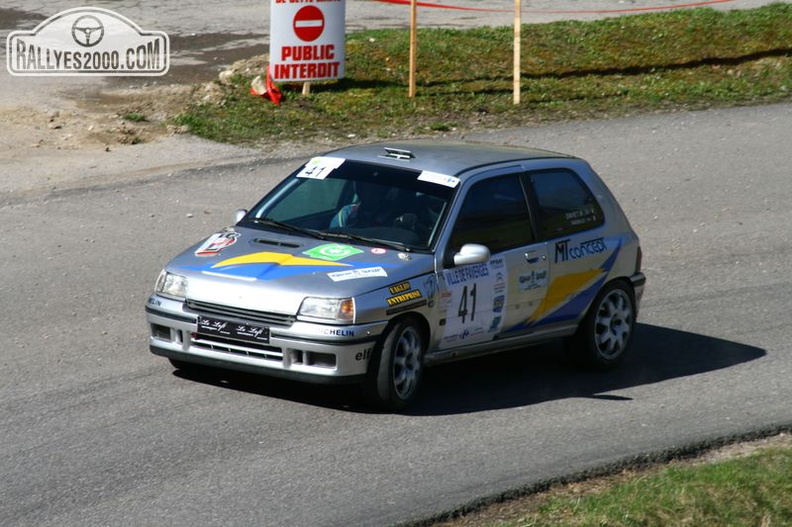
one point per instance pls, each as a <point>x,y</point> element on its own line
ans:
<point>85,138</point>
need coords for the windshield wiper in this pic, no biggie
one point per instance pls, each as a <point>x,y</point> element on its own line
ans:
<point>375,241</point>
<point>285,226</point>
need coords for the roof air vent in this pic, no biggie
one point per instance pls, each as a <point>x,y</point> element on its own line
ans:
<point>398,153</point>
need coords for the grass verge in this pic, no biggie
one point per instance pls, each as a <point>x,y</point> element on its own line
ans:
<point>688,59</point>
<point>750,485</point>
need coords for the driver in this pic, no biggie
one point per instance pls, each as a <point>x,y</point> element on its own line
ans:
<point>372,209</point>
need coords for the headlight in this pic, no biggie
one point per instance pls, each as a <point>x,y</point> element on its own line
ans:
<point>336,309</point>
<point>172,285</point>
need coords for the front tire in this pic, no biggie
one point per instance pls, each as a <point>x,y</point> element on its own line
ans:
<point>604,336</point>
<point>396,369</point>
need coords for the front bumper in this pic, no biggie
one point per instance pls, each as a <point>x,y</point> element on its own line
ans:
<point>318,353</point>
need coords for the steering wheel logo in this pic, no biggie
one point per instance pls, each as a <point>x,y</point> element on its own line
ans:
<point>87,31</point>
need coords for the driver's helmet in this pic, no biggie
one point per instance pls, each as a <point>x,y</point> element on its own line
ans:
<point>370,193</point>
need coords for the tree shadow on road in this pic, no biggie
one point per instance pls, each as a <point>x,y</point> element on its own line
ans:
<point>521,377</point>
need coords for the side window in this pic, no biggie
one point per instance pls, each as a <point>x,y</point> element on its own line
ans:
<point>494,213</point>
<point>565,204</point>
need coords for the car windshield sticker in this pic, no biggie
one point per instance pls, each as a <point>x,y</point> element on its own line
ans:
<point>474,297</point>
<point>216,243</point>
<point>320,167</point>
<point>353,274</point>
<point>440,179</point>
<point>332,251</point>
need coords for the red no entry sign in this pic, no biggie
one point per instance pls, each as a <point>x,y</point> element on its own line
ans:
<point>307,40</point>
<point>309,23</point>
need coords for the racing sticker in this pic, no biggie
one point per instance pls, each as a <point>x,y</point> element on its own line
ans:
<point>568,295</point>
<point>268,266</point>
<point>439,179</point>
<point>475,300</point>
<point>332,251</point>
<point>430,289</point>
<point>216,243</point>
<point>320,167</point>
<point>399,288</point>
<point>564,251</point>
<point>353,274</point>
<point>533,280</point>
<point>401,298</point>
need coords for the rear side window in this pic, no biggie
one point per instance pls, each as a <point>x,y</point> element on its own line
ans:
<point>565,204</point>
<point>494,213</point>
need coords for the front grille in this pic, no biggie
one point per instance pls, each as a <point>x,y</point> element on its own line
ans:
<point>261,317</point>
<point>237,347</point>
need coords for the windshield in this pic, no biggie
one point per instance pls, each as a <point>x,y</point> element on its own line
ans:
<point>368,203</point>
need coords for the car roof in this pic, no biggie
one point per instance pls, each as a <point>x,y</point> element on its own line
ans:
<point>449,158</point>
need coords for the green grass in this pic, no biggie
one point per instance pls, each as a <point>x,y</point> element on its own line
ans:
<point>739,492</point>
<point>135,117</point>
<point>654,62</point>
<point>754,490</point>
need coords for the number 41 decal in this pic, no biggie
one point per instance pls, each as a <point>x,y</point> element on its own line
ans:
<point>463,303</point>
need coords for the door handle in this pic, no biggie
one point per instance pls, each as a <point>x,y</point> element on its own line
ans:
<point>533,257</point>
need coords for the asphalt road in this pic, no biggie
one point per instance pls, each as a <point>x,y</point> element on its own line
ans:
<point>94,430</point>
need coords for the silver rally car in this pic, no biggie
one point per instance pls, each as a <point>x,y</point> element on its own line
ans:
<point>371,262</point>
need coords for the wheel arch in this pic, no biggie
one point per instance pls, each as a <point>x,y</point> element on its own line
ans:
<point>414,316</point>
<point>623,279</point>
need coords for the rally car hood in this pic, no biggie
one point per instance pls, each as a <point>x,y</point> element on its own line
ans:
<point>265,271</point>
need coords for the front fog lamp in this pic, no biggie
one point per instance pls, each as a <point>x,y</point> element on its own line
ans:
<point>336,309</point>
<point>172,285</point>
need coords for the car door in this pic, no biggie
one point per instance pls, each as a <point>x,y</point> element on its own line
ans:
<point>580,254</point>
<point>482,300</point>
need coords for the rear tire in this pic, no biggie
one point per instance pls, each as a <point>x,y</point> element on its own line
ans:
<point>396,368</point>
<point>603,338</point>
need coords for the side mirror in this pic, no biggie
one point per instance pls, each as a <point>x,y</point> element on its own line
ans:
<point>472,253</point>
<point>238,215</point>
